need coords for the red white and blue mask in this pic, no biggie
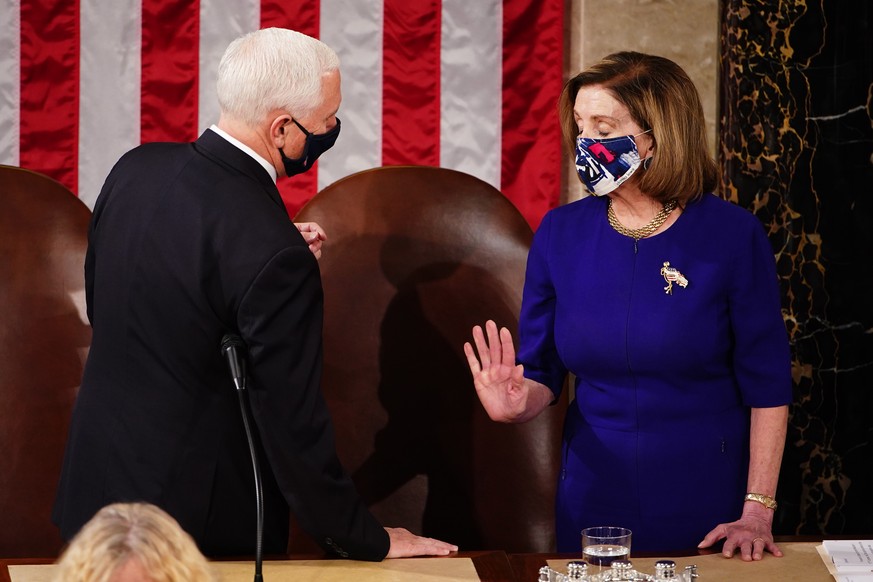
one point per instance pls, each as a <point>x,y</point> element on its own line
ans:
<point>605,164</point>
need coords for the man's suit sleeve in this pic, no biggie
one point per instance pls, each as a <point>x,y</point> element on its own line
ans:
<point>280,319</point>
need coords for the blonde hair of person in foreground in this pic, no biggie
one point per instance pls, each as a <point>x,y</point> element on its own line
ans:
<point>133,542</point>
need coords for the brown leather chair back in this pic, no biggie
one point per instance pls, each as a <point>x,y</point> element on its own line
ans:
<point>415,257</point>
<point>44,339</point>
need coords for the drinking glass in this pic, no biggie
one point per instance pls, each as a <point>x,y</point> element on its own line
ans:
<point>603,544</point>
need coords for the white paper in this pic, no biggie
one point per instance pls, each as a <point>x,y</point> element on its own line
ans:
<point>853,559</point>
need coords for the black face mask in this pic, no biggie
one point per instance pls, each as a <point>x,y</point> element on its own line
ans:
<point>316,144</point>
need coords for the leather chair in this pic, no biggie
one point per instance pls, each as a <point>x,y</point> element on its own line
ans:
<point>44,339</point>
<point>414,258</point>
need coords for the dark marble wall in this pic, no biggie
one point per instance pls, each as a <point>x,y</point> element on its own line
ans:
<point>796,148</point>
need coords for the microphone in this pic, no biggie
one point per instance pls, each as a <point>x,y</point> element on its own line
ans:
<point>233,348</point>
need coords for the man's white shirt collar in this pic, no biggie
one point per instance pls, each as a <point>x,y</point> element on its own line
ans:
<point>267,165</point>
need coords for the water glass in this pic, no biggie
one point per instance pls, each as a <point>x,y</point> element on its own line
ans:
<point>602,545</point>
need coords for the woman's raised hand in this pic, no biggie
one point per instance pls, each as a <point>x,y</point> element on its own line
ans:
<point>500,384</point>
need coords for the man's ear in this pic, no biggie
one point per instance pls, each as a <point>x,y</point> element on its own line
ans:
<point>278,130</point>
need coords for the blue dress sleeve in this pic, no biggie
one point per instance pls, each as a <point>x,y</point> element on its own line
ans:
<point>762,357</point>
<point>536,324</point>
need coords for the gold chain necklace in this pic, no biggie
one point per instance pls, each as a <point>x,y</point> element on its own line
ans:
<point>643,231</point>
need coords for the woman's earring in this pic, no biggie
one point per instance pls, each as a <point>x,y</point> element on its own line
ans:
<point>647,162</point>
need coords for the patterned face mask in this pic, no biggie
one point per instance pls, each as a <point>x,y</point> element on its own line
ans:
<point>605,164</point>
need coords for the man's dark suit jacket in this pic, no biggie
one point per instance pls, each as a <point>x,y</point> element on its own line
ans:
<point>189,242</point>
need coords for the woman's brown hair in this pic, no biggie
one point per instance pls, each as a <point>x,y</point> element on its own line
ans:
<point>660,97</point>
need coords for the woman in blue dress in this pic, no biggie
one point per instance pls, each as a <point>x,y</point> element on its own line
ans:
<point>662,300</point>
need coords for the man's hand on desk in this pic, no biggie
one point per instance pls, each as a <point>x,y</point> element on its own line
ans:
<point>405,544</point>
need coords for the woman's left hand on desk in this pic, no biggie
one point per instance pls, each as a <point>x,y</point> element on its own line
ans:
<point>751,535</point>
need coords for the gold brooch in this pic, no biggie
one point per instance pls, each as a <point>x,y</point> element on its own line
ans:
<point>672,275</point>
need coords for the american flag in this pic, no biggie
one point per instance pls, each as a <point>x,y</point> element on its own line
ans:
<point>465,84</point>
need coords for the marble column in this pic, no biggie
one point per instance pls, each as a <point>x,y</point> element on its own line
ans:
<point>796,148</point>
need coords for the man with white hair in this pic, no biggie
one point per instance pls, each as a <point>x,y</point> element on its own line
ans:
<point>189,242</point>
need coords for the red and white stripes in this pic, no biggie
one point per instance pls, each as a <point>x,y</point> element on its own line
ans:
<point>469,85</point>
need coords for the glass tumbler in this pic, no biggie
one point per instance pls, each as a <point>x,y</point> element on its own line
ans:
<point>601,545</point>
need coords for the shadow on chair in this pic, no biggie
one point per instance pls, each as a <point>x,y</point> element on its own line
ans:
<point>415,257</point>
<point>44,339</point>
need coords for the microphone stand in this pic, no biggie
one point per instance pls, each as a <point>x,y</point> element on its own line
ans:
<point>230,344</point>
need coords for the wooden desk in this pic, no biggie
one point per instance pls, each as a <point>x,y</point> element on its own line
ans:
<point>490,567</point>
<point>801,563</point>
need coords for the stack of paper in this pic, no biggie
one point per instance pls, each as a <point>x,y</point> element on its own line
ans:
<point>850,560</point>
